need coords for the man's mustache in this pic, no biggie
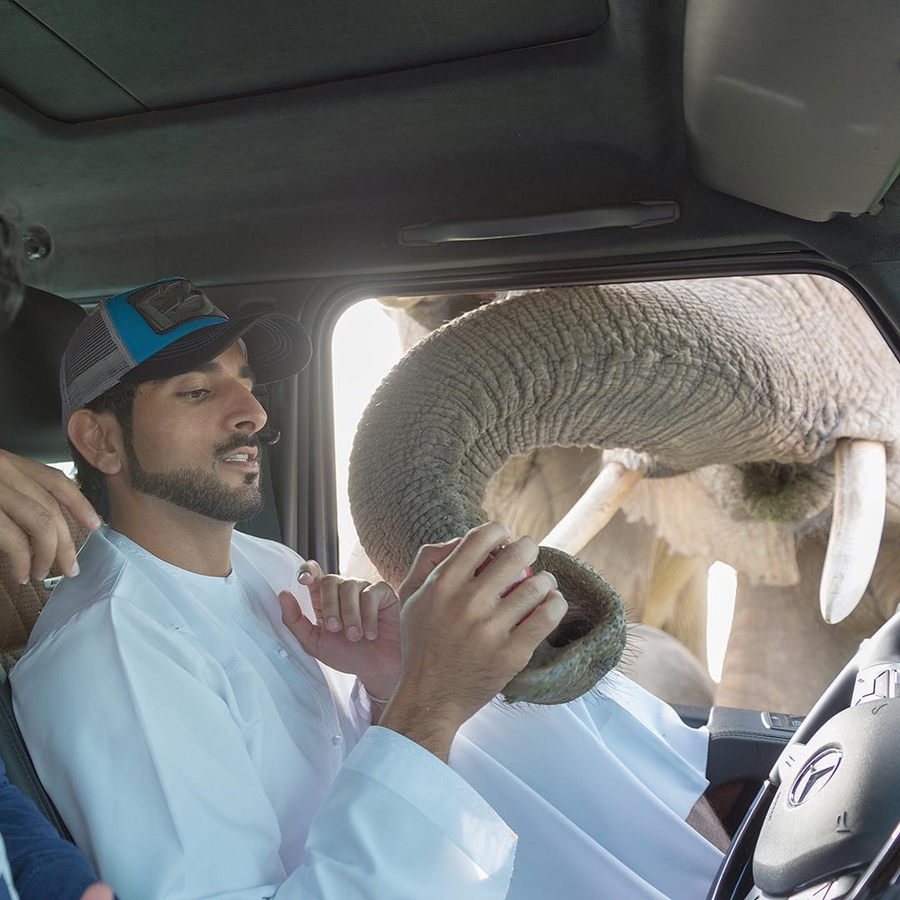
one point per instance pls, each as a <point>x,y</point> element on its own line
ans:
<point>238,440</point>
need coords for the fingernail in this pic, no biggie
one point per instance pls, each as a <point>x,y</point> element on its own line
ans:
<point>353,633</point>
<point>370,635</point>
<point>95,521</point>
<point>43,575</point>
<point>74,569</point>
<point>333,624</point>
<point>304,576</point>
<point>25,580</point>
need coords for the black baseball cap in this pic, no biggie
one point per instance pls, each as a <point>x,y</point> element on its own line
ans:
<point>167,328</point>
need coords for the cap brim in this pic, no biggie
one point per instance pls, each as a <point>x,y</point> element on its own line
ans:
<point>278,347</point>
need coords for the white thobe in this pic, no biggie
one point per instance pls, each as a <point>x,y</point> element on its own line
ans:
<point>195,751</point>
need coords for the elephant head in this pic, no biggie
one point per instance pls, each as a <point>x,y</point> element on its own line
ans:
<point>761,391</point>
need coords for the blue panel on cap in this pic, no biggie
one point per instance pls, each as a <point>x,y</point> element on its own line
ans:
<point>140,339</point>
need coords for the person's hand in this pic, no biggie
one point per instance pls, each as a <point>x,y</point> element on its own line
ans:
<point>463,641</point>
<point>33,531</point>
<point>357,628</point>
<point>97,892</point>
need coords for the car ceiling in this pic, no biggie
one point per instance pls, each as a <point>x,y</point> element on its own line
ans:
<point>241,143</point>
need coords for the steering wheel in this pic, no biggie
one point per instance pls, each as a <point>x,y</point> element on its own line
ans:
<point>824,825</point>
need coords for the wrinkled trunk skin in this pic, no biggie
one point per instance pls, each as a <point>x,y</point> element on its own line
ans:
<point>667,653</point>
<point>531,493</point>
<point>716,373</point>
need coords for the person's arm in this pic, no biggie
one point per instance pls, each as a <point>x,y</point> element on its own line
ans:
<point>464,632</point>
<point>33,531</point>
<point>156,771</point>
<point>43,865</point>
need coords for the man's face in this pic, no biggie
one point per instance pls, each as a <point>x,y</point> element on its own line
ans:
<point>193,440</point>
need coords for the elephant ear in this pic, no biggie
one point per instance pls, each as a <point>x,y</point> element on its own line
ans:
<point>682,512</point>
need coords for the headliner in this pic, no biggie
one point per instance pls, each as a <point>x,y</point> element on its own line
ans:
<point>287,141</point>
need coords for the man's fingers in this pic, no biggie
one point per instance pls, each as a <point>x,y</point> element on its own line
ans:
<point>540,621</point>
<point>292,616</point>
<point>30,494</point>
<point>471,551</point>
<point>429,557</point>
<point>60,551</point>
<point>373,599</point>
<point>65,546</point>
<point>504,566</point>
<point>67,493</point>
<point>348,597</point>
<point>51,540</point>
<point>26,473</point>
<point>36,523</point>
<point>525,597</point>
<point>328,602</point>
<point>476,547</point>
<point>310,573</point>
<point>14,544</point>
<point>352,597</point>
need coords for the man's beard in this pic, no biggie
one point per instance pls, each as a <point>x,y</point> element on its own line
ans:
<point>198,490</point>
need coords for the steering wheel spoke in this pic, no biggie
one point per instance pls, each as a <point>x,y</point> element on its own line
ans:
<point>825,824</point>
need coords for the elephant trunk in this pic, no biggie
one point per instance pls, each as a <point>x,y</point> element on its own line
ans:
<point>606,366</point>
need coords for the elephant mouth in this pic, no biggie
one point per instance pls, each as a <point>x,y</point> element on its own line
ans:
<point>853,482</point>
<point>772,492</point>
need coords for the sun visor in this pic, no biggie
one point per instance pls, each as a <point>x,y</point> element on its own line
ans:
<point>794,106</point>
<point>76,63</point>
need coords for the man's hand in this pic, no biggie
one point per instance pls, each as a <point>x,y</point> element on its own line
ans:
<point>97,892</point>
<point>33,532</point>
<point>357,628</point>
<point>463,642</point>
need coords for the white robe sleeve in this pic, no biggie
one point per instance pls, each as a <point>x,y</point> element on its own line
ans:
<point>132,733</point>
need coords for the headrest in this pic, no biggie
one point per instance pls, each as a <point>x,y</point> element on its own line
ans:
<point>30,353</point>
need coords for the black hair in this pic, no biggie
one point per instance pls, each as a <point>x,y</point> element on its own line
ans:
<point>119,400</point>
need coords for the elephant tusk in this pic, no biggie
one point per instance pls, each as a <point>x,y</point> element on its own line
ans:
<point>860,488</point>
<point>593,510</point>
